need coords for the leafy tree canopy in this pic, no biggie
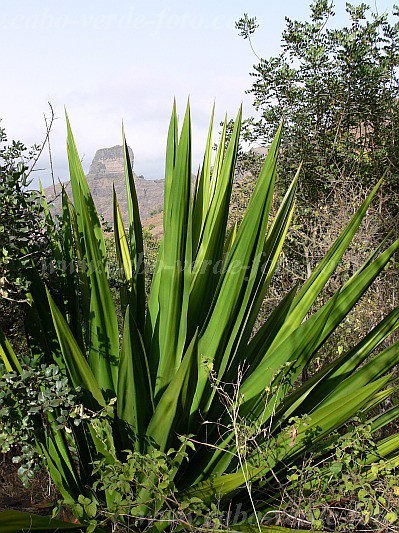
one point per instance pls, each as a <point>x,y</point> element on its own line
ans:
<point>337,89</point>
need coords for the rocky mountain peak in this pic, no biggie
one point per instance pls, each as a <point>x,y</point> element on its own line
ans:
<point>106,170</point>
<point>108,162</point>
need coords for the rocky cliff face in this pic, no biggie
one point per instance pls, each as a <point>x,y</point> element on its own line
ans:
<point>108,163</point>
<point>106,169</point>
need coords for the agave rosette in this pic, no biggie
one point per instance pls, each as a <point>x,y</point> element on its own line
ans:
<point>194,338</point>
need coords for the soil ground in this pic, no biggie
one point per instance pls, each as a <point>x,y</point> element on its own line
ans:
<point>39,498</point>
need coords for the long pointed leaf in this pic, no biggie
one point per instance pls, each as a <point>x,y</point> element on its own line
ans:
<point>78,368</point>
<point>176,267</point>
<point>135,398</point>
<point>174,404</point>
<point>137,299</point>
<point>104,336</point>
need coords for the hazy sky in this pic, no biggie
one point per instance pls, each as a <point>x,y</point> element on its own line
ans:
<point>107,61</point>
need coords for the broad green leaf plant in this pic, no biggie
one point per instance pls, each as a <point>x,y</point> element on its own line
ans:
<point>210,411</point>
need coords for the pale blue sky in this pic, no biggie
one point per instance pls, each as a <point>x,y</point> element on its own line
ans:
<point>107,61</point>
